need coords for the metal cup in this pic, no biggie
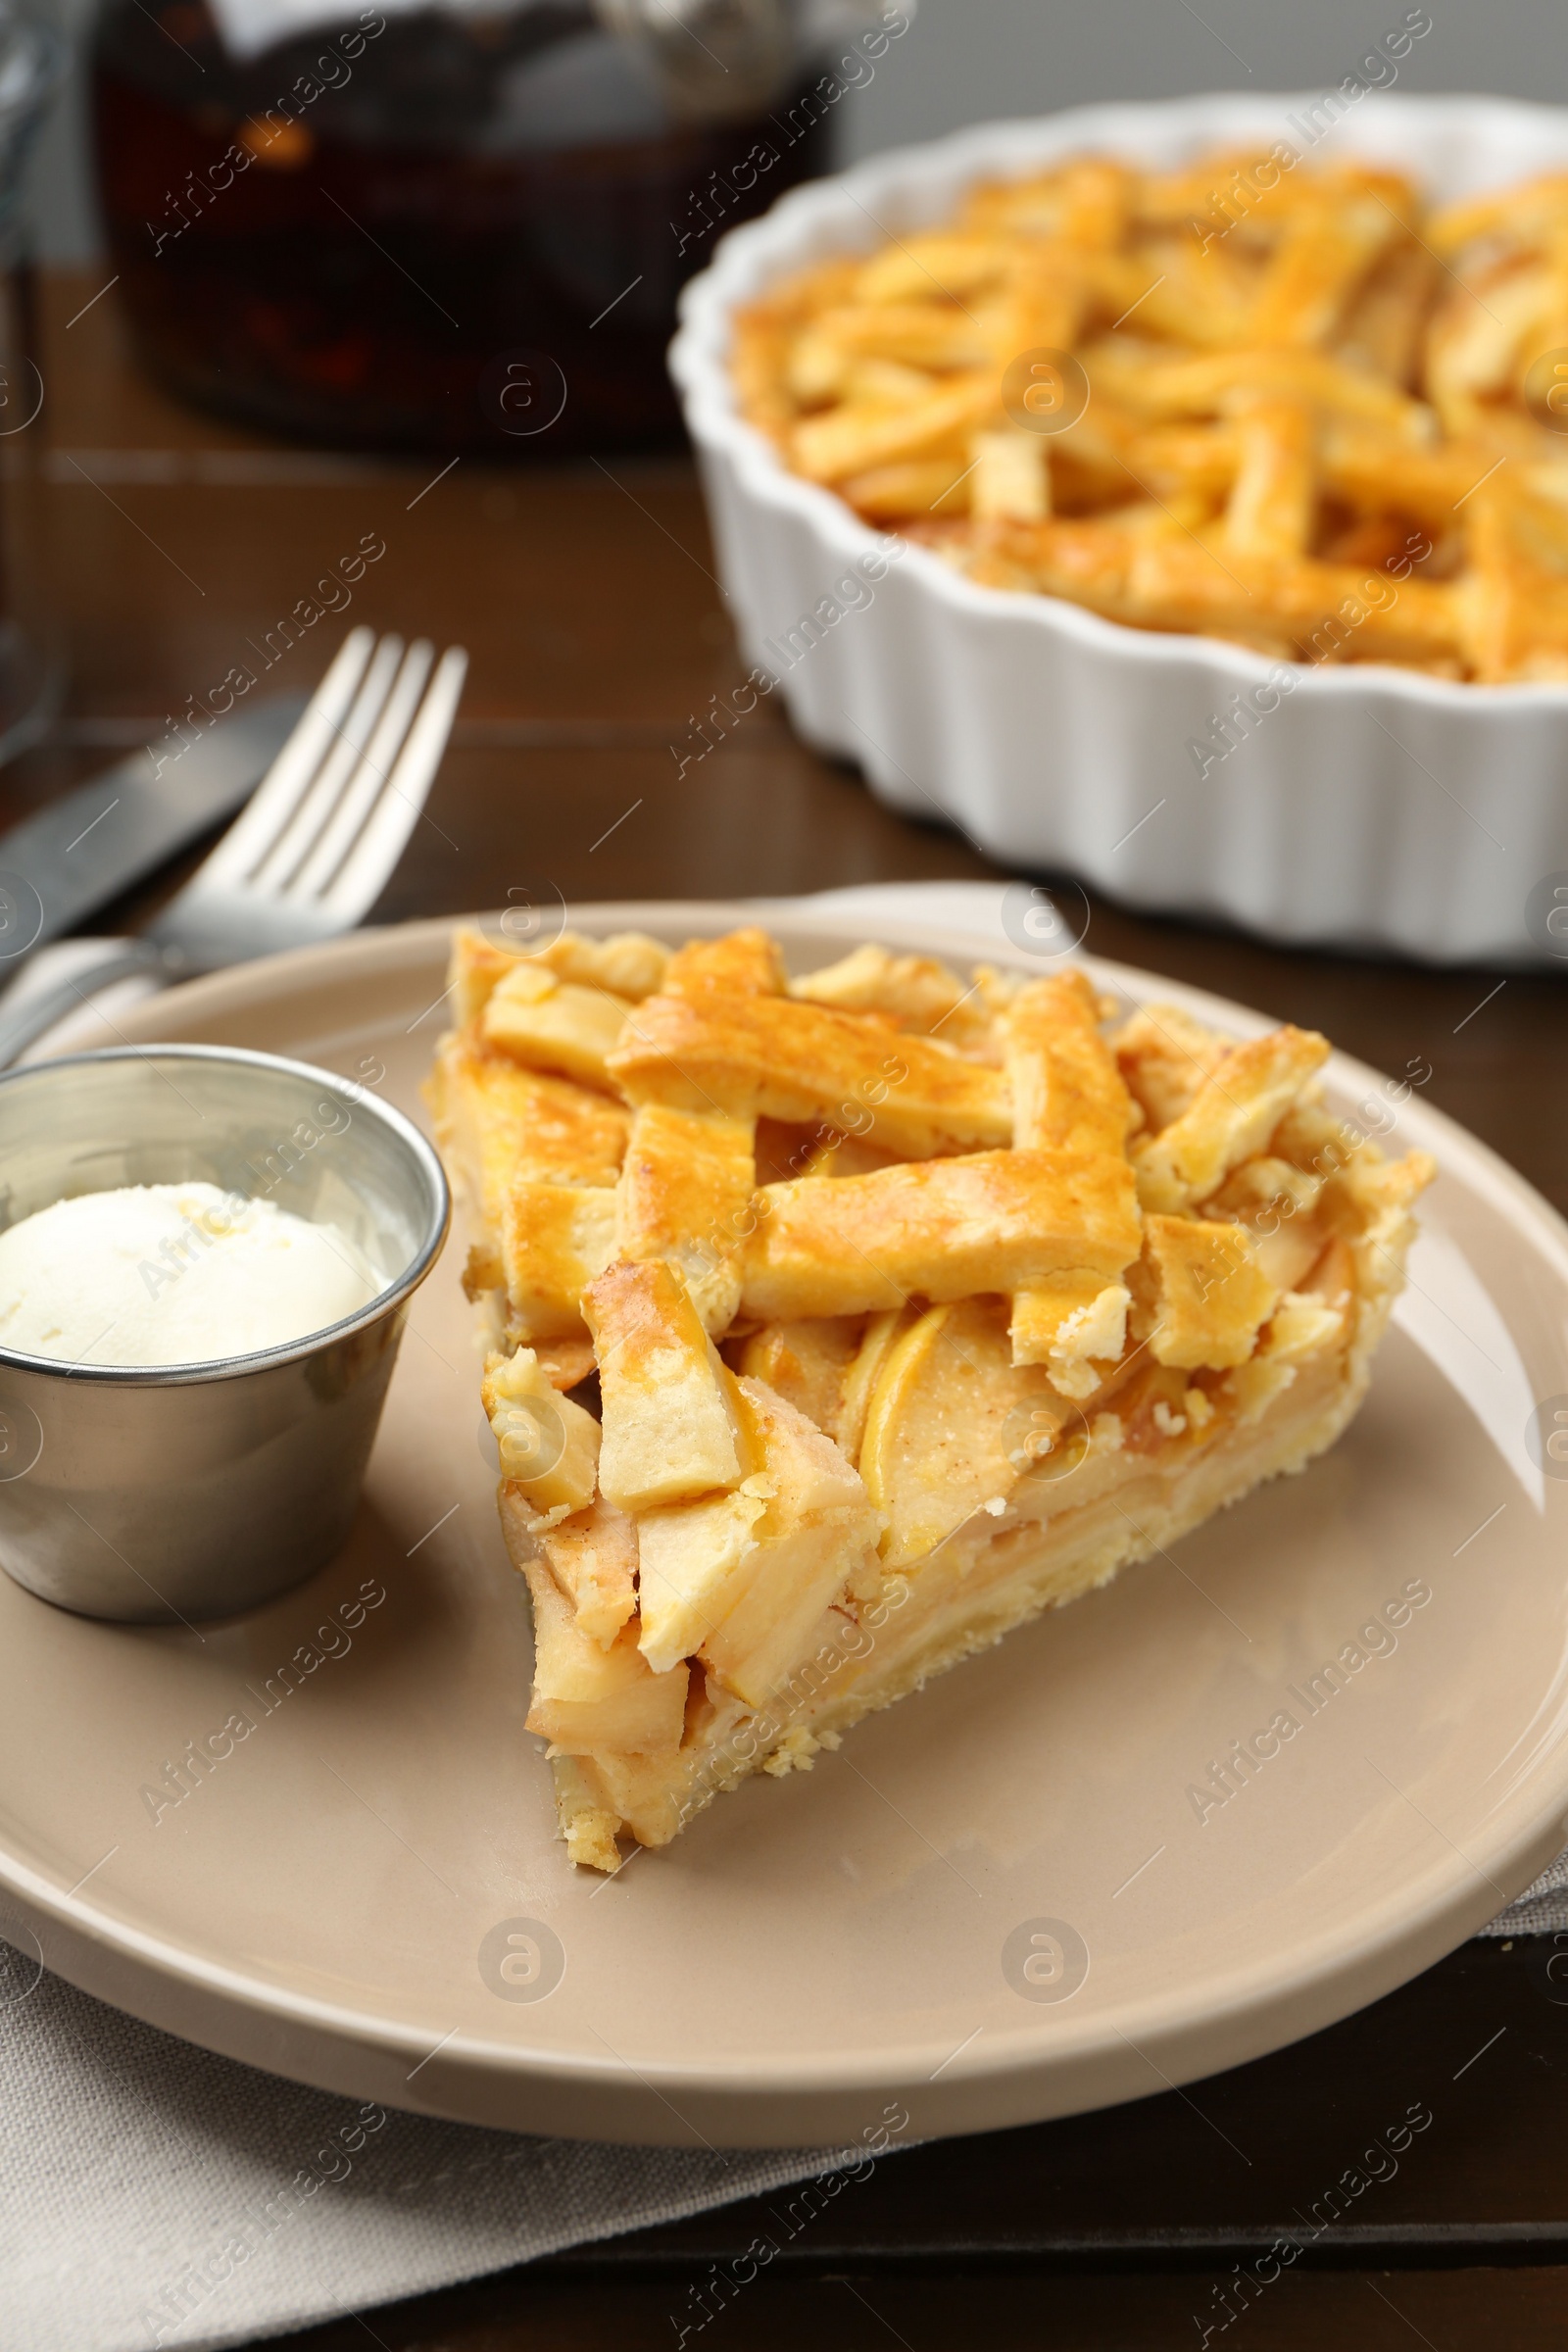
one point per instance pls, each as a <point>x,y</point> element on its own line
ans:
<point>184,1491</point>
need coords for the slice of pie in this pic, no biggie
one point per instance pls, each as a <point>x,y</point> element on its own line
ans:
<point>841,1323</point>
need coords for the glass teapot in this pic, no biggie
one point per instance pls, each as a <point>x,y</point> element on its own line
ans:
<point>443,227</point>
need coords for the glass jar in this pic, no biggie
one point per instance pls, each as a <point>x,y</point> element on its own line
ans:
<point>433,230</point>
<point>31,673</point>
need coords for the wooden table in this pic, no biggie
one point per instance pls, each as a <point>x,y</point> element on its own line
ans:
<point>172,546</point>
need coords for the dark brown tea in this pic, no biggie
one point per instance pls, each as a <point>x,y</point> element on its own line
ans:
<point>432,231</point>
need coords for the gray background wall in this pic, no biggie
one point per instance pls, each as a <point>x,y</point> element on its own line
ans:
<point>964,60</point>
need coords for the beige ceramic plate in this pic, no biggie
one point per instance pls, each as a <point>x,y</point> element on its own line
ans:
<point>334,1900</point>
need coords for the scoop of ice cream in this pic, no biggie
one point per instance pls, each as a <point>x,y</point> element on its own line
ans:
<point>172,1274</point>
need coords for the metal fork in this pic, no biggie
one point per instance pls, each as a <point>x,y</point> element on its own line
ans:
<point>309,855</point>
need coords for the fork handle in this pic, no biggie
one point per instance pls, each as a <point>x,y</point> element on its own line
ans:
<point>25,1022</point>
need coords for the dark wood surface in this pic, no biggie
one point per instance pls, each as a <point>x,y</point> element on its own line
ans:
<point>167,548</point>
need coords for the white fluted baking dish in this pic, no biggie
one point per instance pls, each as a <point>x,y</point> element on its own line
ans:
<point>1372,807</point>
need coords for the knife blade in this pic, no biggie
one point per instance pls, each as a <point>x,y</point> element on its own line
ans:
<point>73,856</point>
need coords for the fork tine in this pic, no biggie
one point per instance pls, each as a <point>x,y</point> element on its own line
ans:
<point>293,845</point>
<point>368,863</point>
<point>359,795</point>
<point>274,798</point>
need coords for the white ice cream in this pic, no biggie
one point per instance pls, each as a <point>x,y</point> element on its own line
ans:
<point>172,1274</point>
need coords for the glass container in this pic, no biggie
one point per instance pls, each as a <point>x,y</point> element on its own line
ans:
<point>436,229</point>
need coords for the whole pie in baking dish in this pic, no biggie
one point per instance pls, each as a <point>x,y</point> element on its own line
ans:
<point>844,1322</point>
<point>1265,397</point>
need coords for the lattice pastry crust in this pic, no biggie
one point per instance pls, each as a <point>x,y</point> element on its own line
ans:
<point>1275,398</point>
<point>844,1322</point>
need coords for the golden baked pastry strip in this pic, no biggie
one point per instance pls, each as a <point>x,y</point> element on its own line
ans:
<point>1067,1092</point>
<point>554,1238</point>
<point>1514,599</point>
<point>672,1426</point>
<point>685,1195</point>
<point>742,963</point>
<point>628,963</point>
<point>555,1025</point>
<point>752,1055</point>
<point>1161,578</point>
<point>1232,1116</point>
<point>1164,1055</point>
<point>533,1150</point>
<point>1067,1096</point>
<point>501,1125</point>
<point>940,1228</point>
<point>1213,1295</point>
<point>920,993</point>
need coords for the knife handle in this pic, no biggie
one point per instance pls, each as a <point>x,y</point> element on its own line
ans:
<point>20,1027</point>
